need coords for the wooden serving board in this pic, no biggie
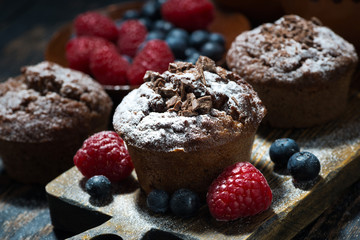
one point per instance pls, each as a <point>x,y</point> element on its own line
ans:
<point>125,215</point>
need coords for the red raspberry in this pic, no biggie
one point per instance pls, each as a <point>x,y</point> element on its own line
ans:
<point>78,51</point>
<point>189,14</point>
<point>240,191</point>
<point>108,67</point>
<point>131,34</point>
<point>95,24</point>
<point>104,153</point>
<point>156,56</point>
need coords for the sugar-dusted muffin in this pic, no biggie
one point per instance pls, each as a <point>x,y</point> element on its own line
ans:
<point>300,69</point>
<point>45,115</point>
<point>183,127</point>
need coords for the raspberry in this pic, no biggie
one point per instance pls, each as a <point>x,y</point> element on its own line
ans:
<point>240,191</point>
<point>104,153</point>
<point>156,56</point>
<point>108,67</point>
<point>78,51</point>
<point>189,14</point>
<point>131,34</point>
<point>95,24</point>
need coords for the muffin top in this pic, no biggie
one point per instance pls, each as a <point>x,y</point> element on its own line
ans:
<point>48,102</point>
<point>291,49</point>
<point>188,107</point>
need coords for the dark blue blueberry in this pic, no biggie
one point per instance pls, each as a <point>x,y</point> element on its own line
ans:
<point>98,186</point>
<point>147,22</point>
<point>177,46</point>
<point>184,203</point>
<point>131,14</point>
<point>192,55</point>
<point>163,26</point>
<point>118,22</point>
<point>191,51</point>
<point>155,34</point>
<point>217,37</point>
<point>152,10</point>
<point>158,201</point>
<point>193,59</point>
<point>281,150</point>
<point>129,59</point>
<point>212,50</point>
<point>303,166</point>
<point>161,1</point>
<point>198,38</point>
<point>178,33</point>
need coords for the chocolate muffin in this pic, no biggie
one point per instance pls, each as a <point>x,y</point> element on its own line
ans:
<point>45,115</point>
<point>183,127</point>
<point>300,69</point>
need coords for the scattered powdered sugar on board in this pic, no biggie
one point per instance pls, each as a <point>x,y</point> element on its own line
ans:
<point>331,147</point>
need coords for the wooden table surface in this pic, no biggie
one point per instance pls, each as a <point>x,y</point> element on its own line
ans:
<point>25,28</point>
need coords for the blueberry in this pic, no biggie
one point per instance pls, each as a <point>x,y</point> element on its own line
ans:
<point>129,59</point>
<point>212,50</point>
<point>131,14</point>
<point>160,1</point>
<point>198,38</point>
<point>192,55</point>
<point>155,34</point>
<point>190,51</point>
<point>118,22</point>
<point>147,22</point>
<point>152,10</point>
<point>177,46</point>
<point>163,26</point>
<point>178,33</point>
<point>158,201</point>
<point>303,166</point>
<point>98,186</point>
<point>193,59</point>
<point>281,150</point>
<point>217,37</point>
<point>184,203</point>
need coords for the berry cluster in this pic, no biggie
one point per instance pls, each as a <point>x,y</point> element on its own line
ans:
<point>182,203</point>
<point>120,52</point>
<point>303,166</point>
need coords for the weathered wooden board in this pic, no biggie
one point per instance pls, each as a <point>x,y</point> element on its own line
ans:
<point>336,144</point>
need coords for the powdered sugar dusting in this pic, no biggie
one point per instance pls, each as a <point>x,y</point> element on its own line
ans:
<point>289,49</point>
<point>140,125</point>
<point>48,99</point>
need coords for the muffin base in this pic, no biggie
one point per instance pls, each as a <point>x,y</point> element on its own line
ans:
<point>39,163</point>
<point>300,107</point>
<point>170,171</point>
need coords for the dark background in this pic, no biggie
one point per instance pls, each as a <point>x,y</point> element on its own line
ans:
<point>26,26</point>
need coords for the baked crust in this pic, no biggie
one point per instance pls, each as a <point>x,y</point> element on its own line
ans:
<point>300,69</point>
<point>45,115</point>
<point>183,127</point>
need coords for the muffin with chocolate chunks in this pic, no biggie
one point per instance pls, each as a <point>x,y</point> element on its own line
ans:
<point>45,115</point>
<point>183,127</point>
<point>300,69</point>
